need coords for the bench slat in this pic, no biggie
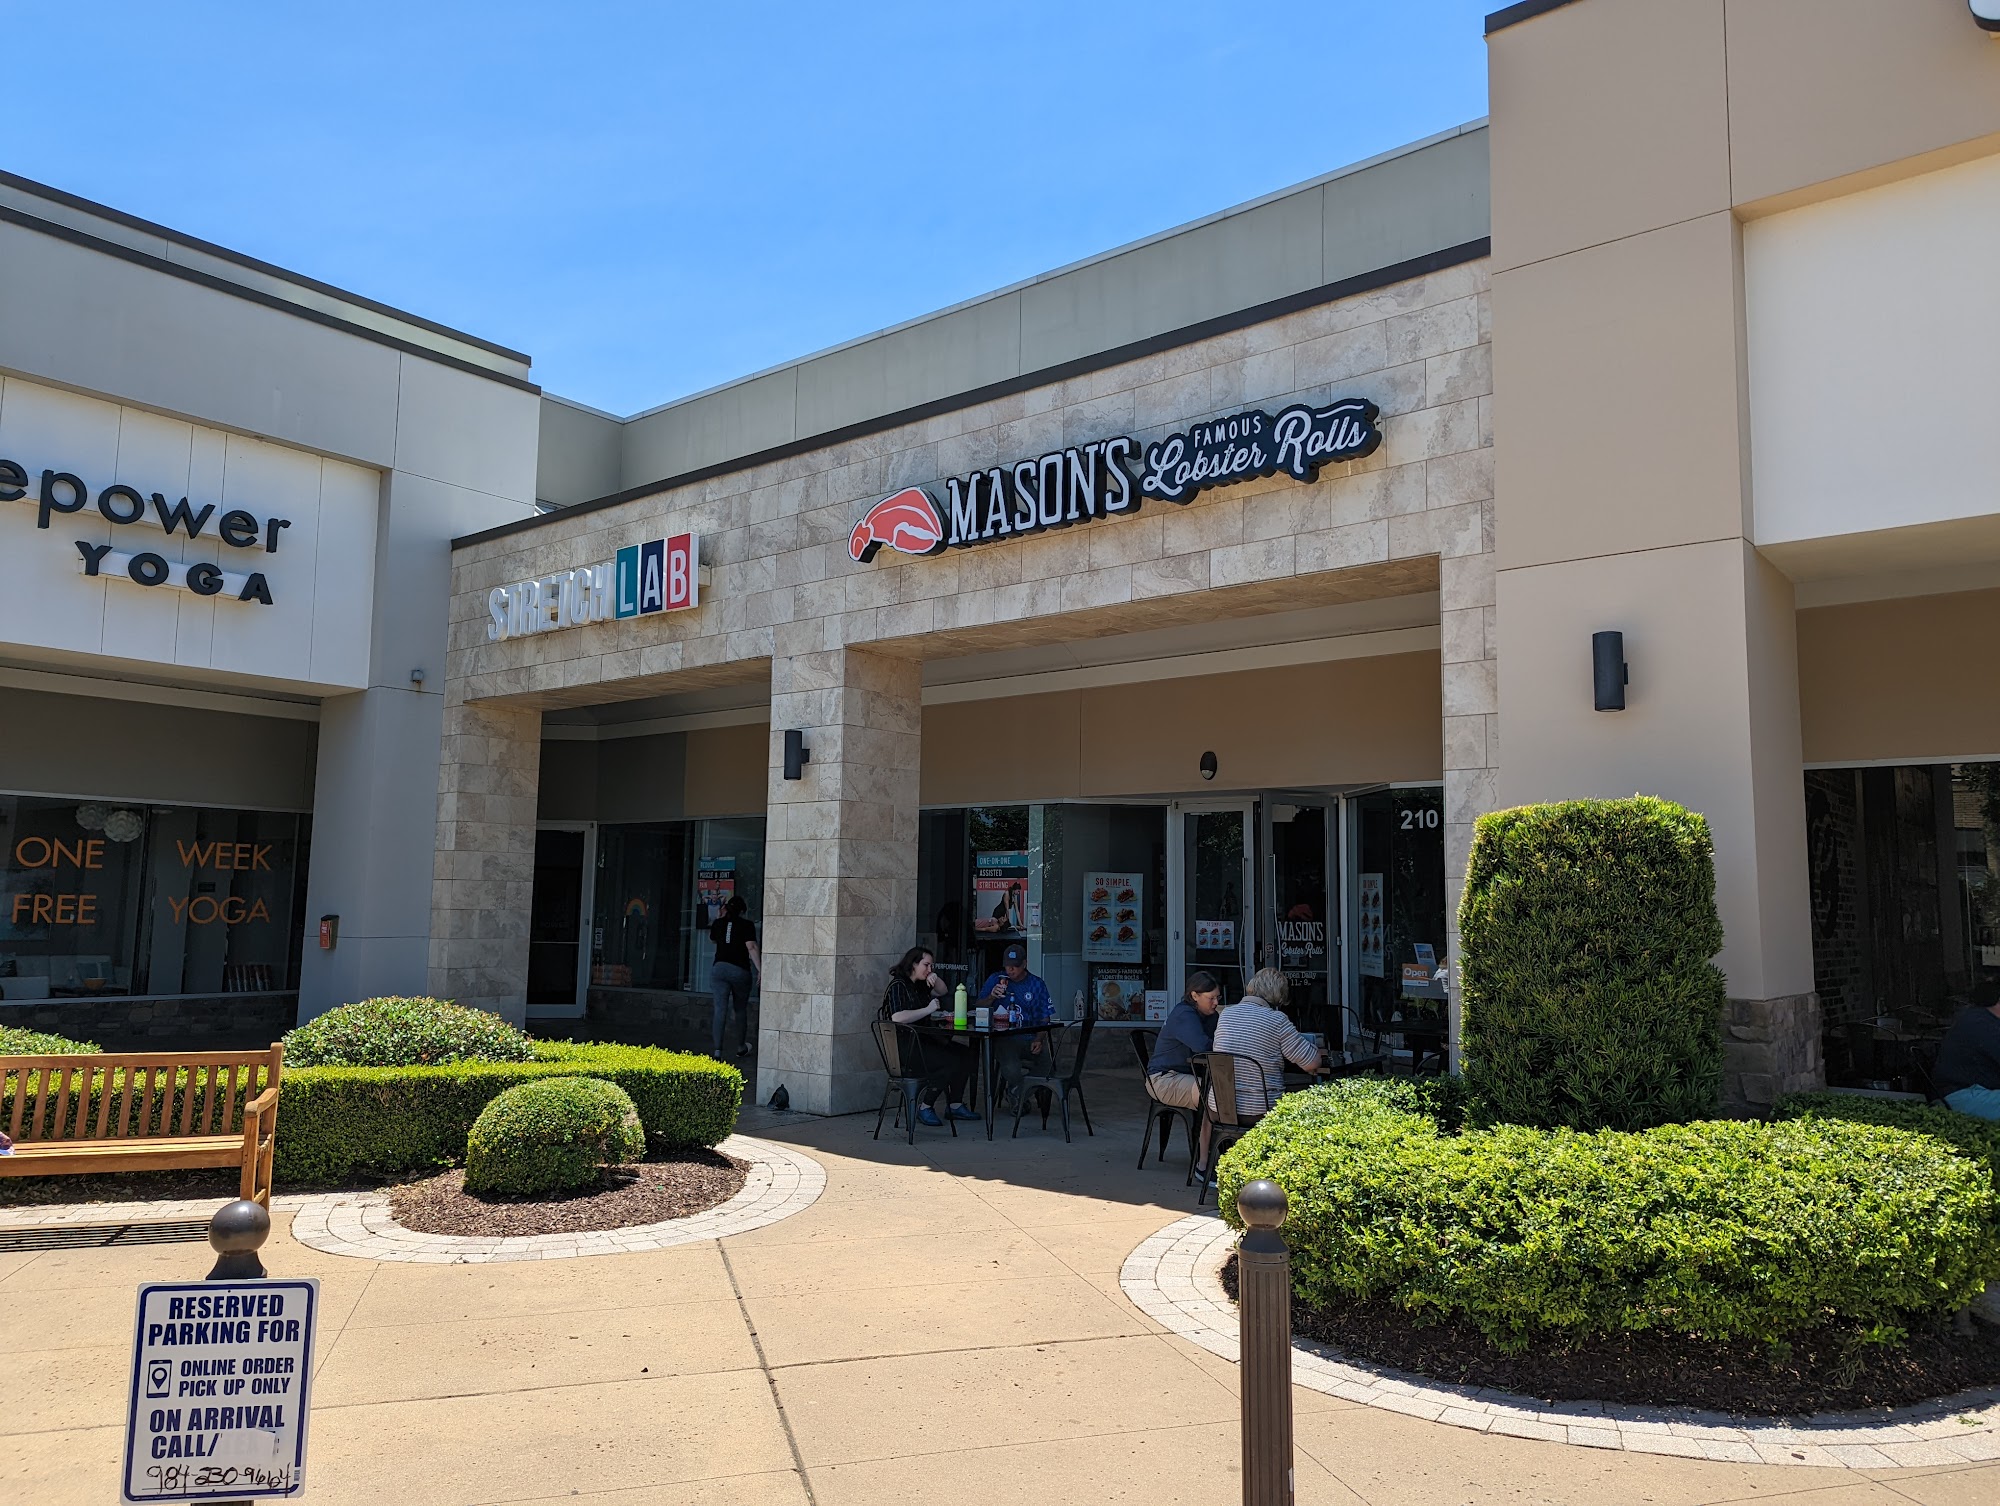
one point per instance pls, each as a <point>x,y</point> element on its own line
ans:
<point>20,1098</point>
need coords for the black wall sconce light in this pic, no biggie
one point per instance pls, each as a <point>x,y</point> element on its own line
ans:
<point>797,754</point>
<point>1208,766</point>
<point>1609,673</point>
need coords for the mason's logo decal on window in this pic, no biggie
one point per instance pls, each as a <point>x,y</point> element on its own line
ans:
<point>1081,483</point>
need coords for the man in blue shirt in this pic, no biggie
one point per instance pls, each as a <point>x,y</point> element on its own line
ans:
<point>1028,996</point>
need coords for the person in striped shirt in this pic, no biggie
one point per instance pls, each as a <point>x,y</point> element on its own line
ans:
<point>1255,1027</point>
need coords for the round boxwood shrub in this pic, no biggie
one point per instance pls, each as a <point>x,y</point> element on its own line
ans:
<point>1714,1230</point>
<point>1586,937</point>
<point>404,1033</point>
<point>552,1136</point>
<point>14,1041</point>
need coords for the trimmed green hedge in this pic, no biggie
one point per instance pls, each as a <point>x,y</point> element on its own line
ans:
<point>399,1032</point>
<point>555,1135</point>
<point>1716,1230</point>
<point>1590,1000</point>
<point>1977,1138</point>
<point>335,1123</point>
<point>339,1123</point>
<point>14,1041</point>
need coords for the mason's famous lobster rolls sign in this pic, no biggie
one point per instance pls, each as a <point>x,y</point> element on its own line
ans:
<point>1082,483</point>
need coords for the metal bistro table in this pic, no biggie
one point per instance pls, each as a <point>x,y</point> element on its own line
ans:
<point>942,1026</point>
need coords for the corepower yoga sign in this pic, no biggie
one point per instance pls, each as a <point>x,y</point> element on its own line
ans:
<point>1085,482</point>
<point>61,493</point>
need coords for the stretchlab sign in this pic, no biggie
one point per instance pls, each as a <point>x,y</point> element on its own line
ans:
<point>61,493</point>
<point>1085,482</point>
<point>663,575</point>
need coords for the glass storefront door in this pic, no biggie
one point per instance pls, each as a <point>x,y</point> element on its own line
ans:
<point>1211,879</point>
<point>560,909</point>
<point>1300,900</point>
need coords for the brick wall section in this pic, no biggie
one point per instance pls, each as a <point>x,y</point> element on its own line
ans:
<point>213,1022</point>
<point>1415,515</point>
<point>840,871</point>
<point>484,880</point>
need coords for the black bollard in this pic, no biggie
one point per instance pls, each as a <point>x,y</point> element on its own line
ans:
<point>1264,1320</point>
<point>237,1233</point>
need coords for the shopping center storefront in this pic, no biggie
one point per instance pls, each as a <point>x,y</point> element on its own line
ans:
<point>1178,610</point>
<point>225,494</point>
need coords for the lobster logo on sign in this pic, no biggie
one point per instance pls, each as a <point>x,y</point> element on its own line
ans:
<point>908,523</point>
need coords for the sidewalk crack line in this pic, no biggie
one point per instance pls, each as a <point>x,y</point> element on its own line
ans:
<point>770,1380</point>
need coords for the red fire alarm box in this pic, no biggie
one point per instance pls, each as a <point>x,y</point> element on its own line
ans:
<point>329,932</point>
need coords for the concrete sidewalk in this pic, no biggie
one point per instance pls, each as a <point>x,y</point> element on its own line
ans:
<point>944,1323</point>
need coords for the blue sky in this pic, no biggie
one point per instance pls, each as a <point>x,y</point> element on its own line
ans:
<point>652,199</point>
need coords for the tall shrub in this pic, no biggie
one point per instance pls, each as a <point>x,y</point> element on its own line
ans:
<point>1587,932</point>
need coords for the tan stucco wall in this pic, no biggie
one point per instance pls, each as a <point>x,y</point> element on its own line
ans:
<point>726,770</point>
<point>1909,679</point>
<point>1351,721</point>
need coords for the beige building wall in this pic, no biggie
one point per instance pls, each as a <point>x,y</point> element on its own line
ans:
<point>1904,681</point>
<point>1631,141</point>
<point>1351,721</point>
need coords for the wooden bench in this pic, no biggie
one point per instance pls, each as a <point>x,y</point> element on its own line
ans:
<point>151,1111</point>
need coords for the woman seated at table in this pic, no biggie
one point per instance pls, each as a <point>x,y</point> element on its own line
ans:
<point>914,995</point>
<point>1255,1027</point>
<point>1189,1031</point>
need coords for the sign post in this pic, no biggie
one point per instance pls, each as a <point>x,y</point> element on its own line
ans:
<point>221,1371</point>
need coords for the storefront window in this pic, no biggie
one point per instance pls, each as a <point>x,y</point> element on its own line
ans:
<point>108,897</point>
<point>1082,886</point>
<point>659,884</point>
<point>1905,884</point>
<point>1399,908</point>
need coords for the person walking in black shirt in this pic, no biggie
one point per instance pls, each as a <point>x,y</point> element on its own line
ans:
<point>736,957</point>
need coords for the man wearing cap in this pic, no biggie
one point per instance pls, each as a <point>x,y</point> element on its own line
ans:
<point>1028,997</point>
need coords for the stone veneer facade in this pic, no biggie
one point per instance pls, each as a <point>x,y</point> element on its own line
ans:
<point>843,644</point>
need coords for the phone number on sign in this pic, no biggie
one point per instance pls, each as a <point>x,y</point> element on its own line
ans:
<point>171,1477</point>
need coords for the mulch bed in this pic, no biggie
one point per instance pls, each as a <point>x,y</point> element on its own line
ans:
<point>122,1187</point>
<point>1825,1371</point>
<point>677,1185</point>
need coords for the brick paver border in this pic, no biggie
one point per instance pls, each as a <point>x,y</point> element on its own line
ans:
<point>781,1182</point>
<point>1174,1278</point>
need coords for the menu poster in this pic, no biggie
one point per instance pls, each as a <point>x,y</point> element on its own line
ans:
<point>1215,935</point>
<point>1371,925</point>
<point>1119,995</point>
<point>714,883</point>
<point>1112,928</point>
<point>1000,893</point>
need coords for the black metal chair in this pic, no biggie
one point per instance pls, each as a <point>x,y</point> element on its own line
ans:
<point>1057,1084</point>
<point>906,1078</point>
<point>1158,1113</point>
<point>1226,1124</point>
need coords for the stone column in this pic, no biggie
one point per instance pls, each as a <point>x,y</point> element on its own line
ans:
<point>840,871</point>
<point>1471,730</point>
<point>483,882</point>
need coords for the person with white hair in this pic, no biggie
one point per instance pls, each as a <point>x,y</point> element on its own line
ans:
<point>1256,1026</point>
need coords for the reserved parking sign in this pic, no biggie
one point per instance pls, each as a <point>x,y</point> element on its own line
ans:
<point>221,1372</point>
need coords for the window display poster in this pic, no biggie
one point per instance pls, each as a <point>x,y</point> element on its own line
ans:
<point>1000,893</point>
<point>1119,995</point>
<point>1157,1006</point>
<point>1215,935</point>
<point>1112,906</point>
<point>714,883</point>
<point>1371,925</point>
